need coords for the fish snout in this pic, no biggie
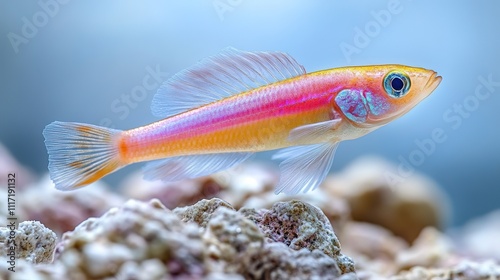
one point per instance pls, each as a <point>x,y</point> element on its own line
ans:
<point>433,82</point>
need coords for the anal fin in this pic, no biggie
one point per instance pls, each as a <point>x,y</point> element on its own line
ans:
<point>184,167</point>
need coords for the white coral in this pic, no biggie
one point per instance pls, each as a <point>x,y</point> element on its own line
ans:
<point>34,242</point>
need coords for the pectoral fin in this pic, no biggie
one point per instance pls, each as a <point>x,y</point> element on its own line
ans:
<point>304,167</point>
<point>314,133</point>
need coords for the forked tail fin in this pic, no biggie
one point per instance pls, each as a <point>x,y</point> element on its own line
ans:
<point>80,154</point>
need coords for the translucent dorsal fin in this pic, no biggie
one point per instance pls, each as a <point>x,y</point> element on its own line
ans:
<point>230,72</point>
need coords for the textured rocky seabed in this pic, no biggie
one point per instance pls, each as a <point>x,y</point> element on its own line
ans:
<point>231,226</point>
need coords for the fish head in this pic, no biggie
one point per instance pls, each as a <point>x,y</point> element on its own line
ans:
<point>376,95</point>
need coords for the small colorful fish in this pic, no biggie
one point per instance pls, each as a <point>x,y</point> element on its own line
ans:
<point>229,106</point>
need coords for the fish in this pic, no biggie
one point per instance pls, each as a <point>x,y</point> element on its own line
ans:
<point>219,112</point>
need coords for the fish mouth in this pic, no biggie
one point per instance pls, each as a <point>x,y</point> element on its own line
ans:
<point>433,82</point>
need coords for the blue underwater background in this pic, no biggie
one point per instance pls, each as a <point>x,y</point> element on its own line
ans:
<point>101,62</point>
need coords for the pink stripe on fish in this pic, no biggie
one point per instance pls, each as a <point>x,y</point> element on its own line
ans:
<point>274,101</point>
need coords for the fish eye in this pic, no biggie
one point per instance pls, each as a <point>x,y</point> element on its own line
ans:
<point>396,84</point>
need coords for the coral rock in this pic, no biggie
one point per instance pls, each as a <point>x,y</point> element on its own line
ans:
<point>233,239</point>
<point>299,225</point>
<point>465,270</point>
<point>277,261</point>
<point>308,247</point>
<point>202,211</point>
<point>34,242</point>
<point>25,270</point>
<point>137,233</point>
<point>335,209</point>
<point>209,240</point>
<point>148,269</point>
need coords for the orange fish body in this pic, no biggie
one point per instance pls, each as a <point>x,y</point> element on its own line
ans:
<point>225,108</point>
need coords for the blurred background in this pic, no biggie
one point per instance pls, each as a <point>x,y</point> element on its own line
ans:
<point>101,62</point>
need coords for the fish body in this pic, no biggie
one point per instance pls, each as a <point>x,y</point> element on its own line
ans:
<point>258,120</point>
<point>225,108</point>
